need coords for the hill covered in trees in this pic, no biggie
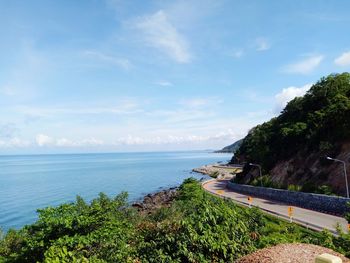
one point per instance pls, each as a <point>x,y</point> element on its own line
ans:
<point>292,147</point>
<point>231,148</point>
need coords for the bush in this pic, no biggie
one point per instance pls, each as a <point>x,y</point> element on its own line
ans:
<point>264,181</point>
<point>324,189</point>
<point>99,230</point>
<point>293,187</point>
<point>215,174</point>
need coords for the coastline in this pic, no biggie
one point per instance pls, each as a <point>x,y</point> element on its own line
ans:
<point>51,180</point>
<point>164,197</point>
<point>219,171</point>
<point>158,199</point>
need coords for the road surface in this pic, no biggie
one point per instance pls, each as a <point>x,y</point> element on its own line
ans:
<point>311,219</point>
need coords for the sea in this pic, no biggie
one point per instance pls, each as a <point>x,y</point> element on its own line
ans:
<point>31,182</point>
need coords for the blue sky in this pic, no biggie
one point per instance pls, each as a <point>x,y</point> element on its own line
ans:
<point>114,75</point>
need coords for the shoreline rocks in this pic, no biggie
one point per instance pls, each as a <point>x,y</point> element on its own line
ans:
<point>153,201</point>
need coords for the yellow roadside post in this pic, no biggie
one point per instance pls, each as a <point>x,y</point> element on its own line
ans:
<point>250,201</point>
<point>219,192</point>
<point>290,213</point>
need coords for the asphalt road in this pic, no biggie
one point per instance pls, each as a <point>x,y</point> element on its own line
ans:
<point>311,219</point>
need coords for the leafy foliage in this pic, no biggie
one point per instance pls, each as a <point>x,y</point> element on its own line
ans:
<point>215,174</point>
<point>197,227</point>
<point>75,231</point>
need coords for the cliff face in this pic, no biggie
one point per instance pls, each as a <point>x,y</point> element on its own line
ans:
<point>309,170</point>
<point>312,170</point>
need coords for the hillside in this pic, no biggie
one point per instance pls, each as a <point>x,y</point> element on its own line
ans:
<point>231,148</point>
<point>291,148</point>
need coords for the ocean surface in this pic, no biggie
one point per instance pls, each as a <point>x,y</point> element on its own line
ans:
<point>29,182</point>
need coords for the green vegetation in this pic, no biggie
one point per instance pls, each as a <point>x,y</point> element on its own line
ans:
<point>197,227</point>
<point>266,181</point>
<point>231,148</point>
<point>295,188</point>
<point>318,120</point>
<point>215,174</point>
<point>324,189</point>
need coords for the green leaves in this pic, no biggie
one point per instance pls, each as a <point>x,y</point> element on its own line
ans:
<point>197,227</point>
<point>209,230</point>
<point>74,232</point>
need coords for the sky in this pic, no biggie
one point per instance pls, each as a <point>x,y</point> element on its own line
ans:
<point>119,75</point>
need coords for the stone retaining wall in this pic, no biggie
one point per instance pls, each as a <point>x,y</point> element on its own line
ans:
<point>323,203</point>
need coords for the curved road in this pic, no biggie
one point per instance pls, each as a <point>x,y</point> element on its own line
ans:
<point>308,218</point>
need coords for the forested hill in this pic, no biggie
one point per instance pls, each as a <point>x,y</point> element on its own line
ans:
<point>290,147</point>
<point>231,148</point>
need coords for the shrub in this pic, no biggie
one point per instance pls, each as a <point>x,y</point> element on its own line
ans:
<point>215,174</point>
<point>293,187</point>
<point>324,189</point>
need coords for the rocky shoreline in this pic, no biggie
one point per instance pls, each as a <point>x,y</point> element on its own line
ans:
<point>154,201</point>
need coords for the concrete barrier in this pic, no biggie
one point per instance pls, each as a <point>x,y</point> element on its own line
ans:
<point>327,258</point>
<point>318,202</point>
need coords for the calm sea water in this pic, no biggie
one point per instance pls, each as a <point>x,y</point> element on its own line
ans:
<point>37,181</point>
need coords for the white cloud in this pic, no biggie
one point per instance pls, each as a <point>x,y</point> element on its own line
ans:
<point>304,66</point>
<point>17,142</point>
<point>194,103</point>
<point>164,83</point>
<point>91,142</point>
<point>176,139</point>
<point>124,108</point>
<point>63,142</point>
<point>199,102</point>
<point>14,143</point>
<point>343,59</point>
<point>44,140</point>
<point>262,44</point>
<point>117,61</point>
<point>237,53</point>
<point>7,130</point>
<point>287,94</point>
<point>163,35</point>
<point>8,90</point>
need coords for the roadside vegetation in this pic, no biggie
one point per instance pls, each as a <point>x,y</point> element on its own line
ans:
<point>266,181</point>
<point>215,174</point>
<point>197,227</point>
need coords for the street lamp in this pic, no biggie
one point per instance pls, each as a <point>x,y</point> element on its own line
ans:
<point>345,175</point>
<point>259,166</point>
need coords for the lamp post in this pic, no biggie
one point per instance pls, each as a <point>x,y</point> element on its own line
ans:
<point>259,166</point>
<point>345,175</point>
